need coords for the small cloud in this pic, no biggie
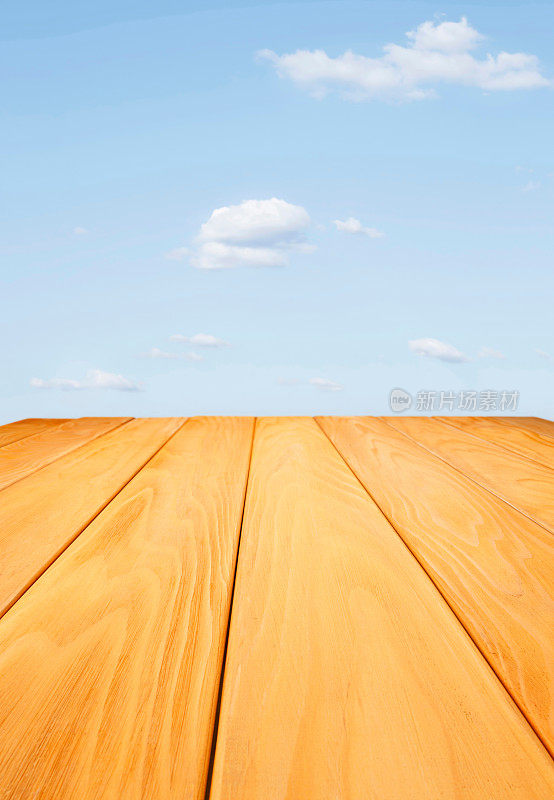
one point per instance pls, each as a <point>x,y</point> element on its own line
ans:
<point>94,379</point>
<point>200,340</point>
<point>178,254</point>
<point>155,352</point>
<point>354,226</point>
<point>255,233</point>
<point>56,383</point>
<point>79,231</point>
<point>543,354</point>
<point>433,348</point>
<point>531,186</point>
<point>489,352</point>
<point>326,385</point>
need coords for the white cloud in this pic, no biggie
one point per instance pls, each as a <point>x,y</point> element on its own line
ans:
<point>255,233</point>
<point>323,384</point>
<point>326,385</point>
<point>545,355</point>
<point>256,222</point>
<point>79,231</point>
<point>435,53</point>
<point>56,383</point>
<point>94,379</point>
<point>354,226</point>
<point>200,340</point>
<point>531,186</point>
<point>489,352</point>
<point>433,348</point>
<point>155,352</point>
<point>178,254</point>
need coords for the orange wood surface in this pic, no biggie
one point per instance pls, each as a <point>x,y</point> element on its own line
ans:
<point>24,456</point>
<point>41,514</point>
<point>513,436</point>
<point>544,427</point>
<point>118,647</point>
<point>494,566</point>
<point>525,484</point>
<point>388,633</point>
<point>347,675</point>
<point>25,427</point>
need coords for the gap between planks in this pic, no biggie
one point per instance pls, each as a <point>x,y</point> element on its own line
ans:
<point>215,728</point>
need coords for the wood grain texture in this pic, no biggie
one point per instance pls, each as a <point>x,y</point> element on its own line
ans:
<point>41,514</point>
<point>347,675</point>
<point>516,438</point>
<point>25,427</point>
<point>525,484</point>
<point>20,458</point>
<point>119,644</point>
<point>544,427</point>
<point>494,565</point>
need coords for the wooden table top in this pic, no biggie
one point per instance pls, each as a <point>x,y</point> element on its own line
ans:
<point>281,608</point>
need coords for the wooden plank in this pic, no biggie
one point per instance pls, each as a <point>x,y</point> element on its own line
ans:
<point>110,663</point>
<point>20,458</point>
<point>526,485</point>
<point>544,427</point>
<point>347,675</point>
<point>41,514</point>
<point>530,444</point>
<point>494,566</point>
<point>25,427</point>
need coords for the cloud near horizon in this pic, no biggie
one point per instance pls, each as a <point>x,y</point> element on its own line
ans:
<point>255,233</point>
<point>326,385</point>
<point>434,348</point>
<point>436,52</point>
<point>94,379</point>
<point>354,226</point>
<point>155,352</point>
<point>200,340</point>
<point>489,352</point>
<point>543,354</point>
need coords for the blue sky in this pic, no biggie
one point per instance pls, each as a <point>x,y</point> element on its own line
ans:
<point>123,130</point>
